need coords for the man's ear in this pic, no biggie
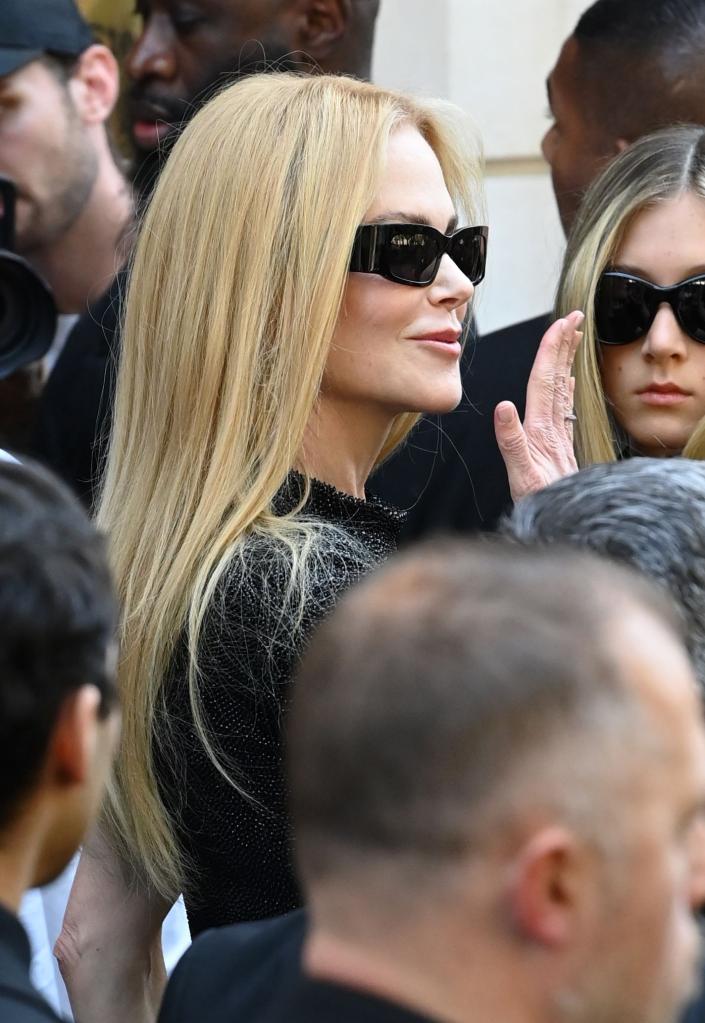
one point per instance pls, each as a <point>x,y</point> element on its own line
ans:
<point>548,884</point>
<point>622,144</point>
<point>321,25</point>
<point>95,84</point>
<point>74,743</point>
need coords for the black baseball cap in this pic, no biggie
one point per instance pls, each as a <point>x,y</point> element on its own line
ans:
<point>31,28</point>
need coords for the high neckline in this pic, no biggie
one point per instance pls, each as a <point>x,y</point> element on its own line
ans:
<point>327,500</point>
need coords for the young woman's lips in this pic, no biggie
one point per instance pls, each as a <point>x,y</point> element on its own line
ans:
<point>662,395</point>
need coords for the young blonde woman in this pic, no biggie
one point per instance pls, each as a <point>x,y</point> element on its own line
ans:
<point>636,263</point>
<point>297,297</point>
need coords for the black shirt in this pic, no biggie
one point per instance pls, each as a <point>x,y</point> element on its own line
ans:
<point>237,842</point>
<point>251,973</point>
<point>19,1001</point>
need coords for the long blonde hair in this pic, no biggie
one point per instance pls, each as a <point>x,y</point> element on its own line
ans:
<point>235,289</point>
<point>655,169</point>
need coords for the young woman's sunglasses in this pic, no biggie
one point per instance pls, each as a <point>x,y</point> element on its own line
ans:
<point>625,307</point>
<point>412,253</point>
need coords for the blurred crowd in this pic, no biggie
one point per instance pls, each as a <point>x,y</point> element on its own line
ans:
<point>353,661</point>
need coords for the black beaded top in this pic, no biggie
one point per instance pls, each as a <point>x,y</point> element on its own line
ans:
<point>236,843</point>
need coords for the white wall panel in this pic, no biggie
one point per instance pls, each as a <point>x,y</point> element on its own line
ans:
<point>524,254</point>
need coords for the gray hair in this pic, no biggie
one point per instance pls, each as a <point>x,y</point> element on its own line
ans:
<point>459,683</point>
<point>647,512</point>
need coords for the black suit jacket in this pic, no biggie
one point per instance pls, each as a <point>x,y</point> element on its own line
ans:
<point>251,973</point>
<point>19,1001</point>
<point>73,419</point>
<point>450,473</point>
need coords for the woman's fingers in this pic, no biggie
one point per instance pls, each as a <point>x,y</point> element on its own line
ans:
<point>569,419</point>
<point>541,390</point>
<point>541,449</point>
<point>565,385</point>
<point>514,446</point>
<point>575,336</point>
<point>548,397</point>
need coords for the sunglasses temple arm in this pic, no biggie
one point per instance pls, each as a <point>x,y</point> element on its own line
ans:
<point>364,255</point>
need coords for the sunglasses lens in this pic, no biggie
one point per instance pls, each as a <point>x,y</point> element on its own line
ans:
<point>468,253</point>
<point>691,308</point>
<point>622,312</point>
<point>412,255</point>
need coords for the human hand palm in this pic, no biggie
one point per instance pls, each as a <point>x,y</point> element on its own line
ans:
<point>540,450</point>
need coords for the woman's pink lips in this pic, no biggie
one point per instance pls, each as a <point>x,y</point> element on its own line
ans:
<point>448,344</point>
<point>663,395</point>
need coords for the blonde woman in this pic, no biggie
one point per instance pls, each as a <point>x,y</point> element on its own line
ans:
<point>636,263</point>
<point>297,297</point>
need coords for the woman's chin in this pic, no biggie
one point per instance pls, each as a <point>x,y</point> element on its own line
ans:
<point>443,405</point>
<point>440,400</point>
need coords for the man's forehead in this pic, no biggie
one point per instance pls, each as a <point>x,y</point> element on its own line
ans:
<point>21,74</point>
<point>563,77</point>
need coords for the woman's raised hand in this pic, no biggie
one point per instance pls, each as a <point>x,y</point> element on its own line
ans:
<point>540,450</point>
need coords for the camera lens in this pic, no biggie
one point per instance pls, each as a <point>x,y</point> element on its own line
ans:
<point>27,314</point>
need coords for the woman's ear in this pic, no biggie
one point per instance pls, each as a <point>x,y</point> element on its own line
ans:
<point>95,84</point>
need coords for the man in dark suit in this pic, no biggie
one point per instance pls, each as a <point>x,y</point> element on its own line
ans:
<point>628,68</point>
<point>58,723</point>
<point>450,812</point>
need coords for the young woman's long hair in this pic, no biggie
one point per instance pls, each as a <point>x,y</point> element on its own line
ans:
<point>236,285</point>
<point>655,169</point>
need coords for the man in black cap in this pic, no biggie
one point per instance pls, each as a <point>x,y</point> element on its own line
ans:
<point>57,89</point>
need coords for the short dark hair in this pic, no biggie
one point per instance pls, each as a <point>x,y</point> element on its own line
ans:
<point>438,683</point>
<point>651,52</point>
<point>57,619</point>
<point>645,512</point>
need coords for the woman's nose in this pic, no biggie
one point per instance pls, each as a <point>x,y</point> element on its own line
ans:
<point>665,338</point>
<point>451,288</point>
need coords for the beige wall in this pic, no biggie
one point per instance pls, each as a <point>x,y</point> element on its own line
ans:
<point>493,59</point>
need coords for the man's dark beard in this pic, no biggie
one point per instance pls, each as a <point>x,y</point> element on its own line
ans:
<point>148,166</point>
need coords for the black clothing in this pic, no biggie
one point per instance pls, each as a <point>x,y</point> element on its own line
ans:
<point>252,973</point>
<point>73,419</point>
<point>450,474</point>
<point>19,1001</point>
<point>238,846</point>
